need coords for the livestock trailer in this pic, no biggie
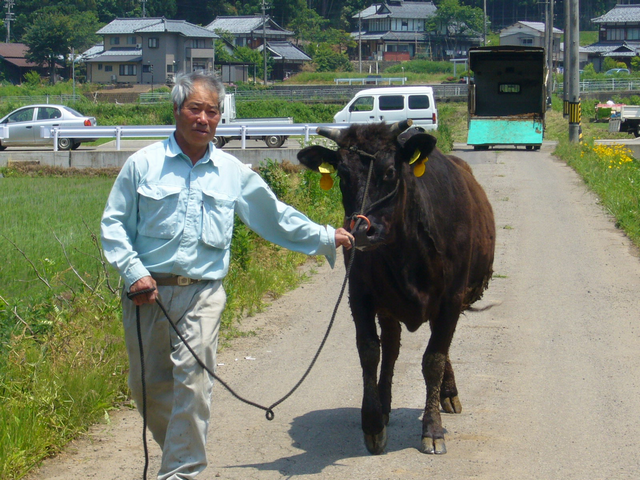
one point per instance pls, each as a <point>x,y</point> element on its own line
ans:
<point>507,97</point>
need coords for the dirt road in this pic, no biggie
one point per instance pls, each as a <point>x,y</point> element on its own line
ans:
<point>549,379</point>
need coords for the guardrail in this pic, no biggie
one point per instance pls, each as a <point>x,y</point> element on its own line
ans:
<point>242,131</point>
<point>370,80</point>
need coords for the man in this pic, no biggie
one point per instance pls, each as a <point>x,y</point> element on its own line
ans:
<point>167,226</point>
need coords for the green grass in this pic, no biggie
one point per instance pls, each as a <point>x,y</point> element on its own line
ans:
<point>63,363</point>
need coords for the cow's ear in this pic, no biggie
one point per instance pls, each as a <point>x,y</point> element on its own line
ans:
<point>416,150</point>
<point>314,156</point>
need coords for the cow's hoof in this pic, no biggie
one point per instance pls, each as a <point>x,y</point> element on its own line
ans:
<point>433,446</point>
<point>376,443</point>
<point>451,404</point>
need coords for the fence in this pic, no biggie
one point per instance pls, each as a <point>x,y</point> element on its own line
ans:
<point>242,131</point>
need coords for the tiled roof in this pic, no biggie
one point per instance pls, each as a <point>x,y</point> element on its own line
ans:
<point>287,51</point>
<point>153,25</point>
<point>539,26</point>
<point>121,54</point>
<point>606,48</point>
<point>245,24</point>
<point>620,14</point>
<point>398,10</point>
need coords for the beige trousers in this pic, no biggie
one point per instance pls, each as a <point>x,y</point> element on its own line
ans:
<point>178,389</point>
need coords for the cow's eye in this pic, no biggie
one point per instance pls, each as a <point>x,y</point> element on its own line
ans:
<point>390,174</point>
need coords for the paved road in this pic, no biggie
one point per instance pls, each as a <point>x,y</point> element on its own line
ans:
<point>548,378</point>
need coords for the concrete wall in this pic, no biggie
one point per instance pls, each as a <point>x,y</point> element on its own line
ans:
<point>106,159</point>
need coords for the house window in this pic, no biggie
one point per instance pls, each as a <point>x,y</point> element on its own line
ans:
<point>169,68</point>
<point>128,70</point>
<point>633,34</point>
<point>526,41</point>
<point>153,42</point>
<point>114,41</point>
<point>108,68</point>
<point>405,25</point>
<point>99,66</point>
<point>198,43</point>
<point>615,34</point>
<point>131,40</point>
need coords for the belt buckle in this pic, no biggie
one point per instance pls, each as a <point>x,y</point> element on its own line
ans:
<point>183,281</point>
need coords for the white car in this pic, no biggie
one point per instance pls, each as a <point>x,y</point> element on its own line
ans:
<point>25,122</point>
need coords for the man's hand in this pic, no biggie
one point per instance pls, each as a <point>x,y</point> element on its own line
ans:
<point>343,238</point>
<point>143,284</point>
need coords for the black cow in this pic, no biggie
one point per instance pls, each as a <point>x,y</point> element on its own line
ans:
<point>424,253</point>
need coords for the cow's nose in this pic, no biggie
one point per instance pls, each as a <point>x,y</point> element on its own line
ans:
<point>361,230</point>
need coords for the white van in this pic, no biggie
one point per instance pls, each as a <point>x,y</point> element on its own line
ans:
<point>390,105</point>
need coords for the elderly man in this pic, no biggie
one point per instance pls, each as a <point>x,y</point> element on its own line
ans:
<point>167,229</point>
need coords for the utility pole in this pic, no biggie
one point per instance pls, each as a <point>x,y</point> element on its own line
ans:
<point>566,59</point>
<point>575,113</point>
<point>548,37</point>
<point>144,8</point>
<point>484,21</point>
<point>9,17</point>
<point>264,40</point>
<point>360,41</point>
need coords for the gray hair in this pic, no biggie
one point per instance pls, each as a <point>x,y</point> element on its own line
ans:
<point>184,85</point>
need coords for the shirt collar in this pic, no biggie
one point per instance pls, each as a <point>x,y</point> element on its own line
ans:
<point>172,149</point>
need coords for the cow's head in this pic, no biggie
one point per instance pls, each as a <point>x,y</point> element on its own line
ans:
<point>387,155</point>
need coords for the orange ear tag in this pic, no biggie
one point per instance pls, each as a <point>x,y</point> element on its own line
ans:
<point>326,182</point>
<point>326,169</point>
<point>418,169</point>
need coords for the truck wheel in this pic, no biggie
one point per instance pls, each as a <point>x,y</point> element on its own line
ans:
<point>219,142</point>
<point>636,133</point>
<point>274,141</point>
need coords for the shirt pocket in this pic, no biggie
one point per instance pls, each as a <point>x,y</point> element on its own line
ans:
<point>217,219</point>
<point>158,210</point>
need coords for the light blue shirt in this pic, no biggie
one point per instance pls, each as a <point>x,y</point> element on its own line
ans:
<point>166,215</point>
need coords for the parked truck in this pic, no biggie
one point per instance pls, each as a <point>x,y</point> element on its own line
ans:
<point>228,117</point>
<point>625,119</point>
<point>507,97</point>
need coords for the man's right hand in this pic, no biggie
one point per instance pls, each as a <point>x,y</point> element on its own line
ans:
<point>143,284</point>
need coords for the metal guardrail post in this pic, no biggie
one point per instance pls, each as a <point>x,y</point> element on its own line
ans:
<point>55,139</point>
<point>244,137</point>
<point>118,136</point>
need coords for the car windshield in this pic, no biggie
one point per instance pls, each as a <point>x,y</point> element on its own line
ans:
<point>73,112</point>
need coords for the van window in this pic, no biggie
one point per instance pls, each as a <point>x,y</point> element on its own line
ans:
<point>391,102</point>
<point>418,102</point>
<point>363,104</point>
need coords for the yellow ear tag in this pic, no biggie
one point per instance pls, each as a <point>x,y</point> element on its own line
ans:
<point>415,157</point>
<point>326,169</point>
<point>326,182</point>
<point>418,169</point>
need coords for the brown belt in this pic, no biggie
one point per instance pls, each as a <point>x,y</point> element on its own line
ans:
<point>176,280</point>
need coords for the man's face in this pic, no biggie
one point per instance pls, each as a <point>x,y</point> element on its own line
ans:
<point>197,119</point>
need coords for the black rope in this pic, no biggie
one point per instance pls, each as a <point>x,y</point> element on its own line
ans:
<point>269,413</point>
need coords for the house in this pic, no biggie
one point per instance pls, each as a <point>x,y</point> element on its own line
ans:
<point>619,35</point>
<point>532,34</point>
<point>149,51</point>
<point>14,65</point>
<point>252,31</point>
<point>393,31</point>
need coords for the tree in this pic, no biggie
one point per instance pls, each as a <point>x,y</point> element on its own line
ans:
<point>453,20</point>
<point>52,35</point>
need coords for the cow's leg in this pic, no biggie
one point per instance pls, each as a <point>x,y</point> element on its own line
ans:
<point>390,331</point>
<point>449,392</point>
<point>373,424</point>
<point>433,367</point>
